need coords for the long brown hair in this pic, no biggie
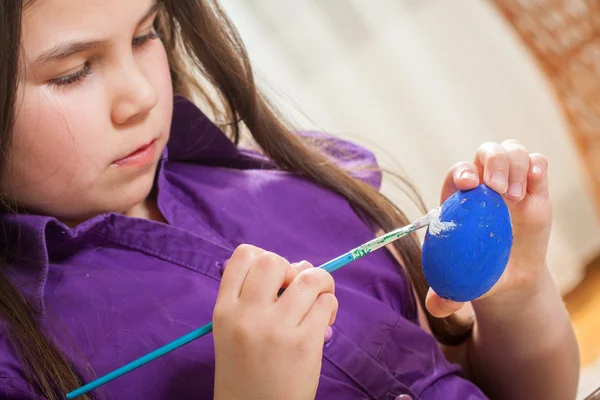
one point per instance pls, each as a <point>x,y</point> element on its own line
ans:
<point>201,43</point>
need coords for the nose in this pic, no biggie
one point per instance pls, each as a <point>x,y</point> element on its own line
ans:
<point>134,95</point>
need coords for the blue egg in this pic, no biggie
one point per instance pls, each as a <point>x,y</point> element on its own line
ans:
<point>466,258</point>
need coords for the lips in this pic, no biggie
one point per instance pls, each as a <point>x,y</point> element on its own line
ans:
<point>141,156</point>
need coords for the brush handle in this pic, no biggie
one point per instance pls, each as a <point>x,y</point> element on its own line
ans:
<point>141,361</point>
<point>330,266</point>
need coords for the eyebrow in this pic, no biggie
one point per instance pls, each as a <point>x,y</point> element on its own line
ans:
<point>68,49</point>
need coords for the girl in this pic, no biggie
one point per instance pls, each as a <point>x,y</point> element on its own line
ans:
<point>130,219</point>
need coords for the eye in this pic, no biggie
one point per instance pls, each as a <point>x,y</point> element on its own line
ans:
<point>142,40</point>
<point>73,78</point>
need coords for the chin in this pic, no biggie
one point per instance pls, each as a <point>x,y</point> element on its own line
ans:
<point>135,193</point>
<point>127,196</point>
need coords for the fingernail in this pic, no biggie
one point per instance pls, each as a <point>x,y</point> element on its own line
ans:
<point>468,174</point>
<point>498,178</point>
<point>537,170</point>
<point>515,189</point>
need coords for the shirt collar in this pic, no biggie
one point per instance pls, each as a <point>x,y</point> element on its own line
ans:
<point>194,137</point>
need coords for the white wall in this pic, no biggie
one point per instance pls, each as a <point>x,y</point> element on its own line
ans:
<point>422,83</point>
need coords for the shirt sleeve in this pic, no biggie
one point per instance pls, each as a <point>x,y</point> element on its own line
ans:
<point>358,161</point>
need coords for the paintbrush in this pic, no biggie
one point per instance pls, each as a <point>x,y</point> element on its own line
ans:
<point>329,266</point>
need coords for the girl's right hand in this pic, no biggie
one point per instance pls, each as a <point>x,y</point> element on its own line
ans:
<point>270,347</point>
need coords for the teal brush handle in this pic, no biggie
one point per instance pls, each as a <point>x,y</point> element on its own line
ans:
<point>329,266</point>
<point>141,361</point>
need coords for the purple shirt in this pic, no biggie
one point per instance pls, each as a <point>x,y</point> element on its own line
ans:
<point>121,287</point>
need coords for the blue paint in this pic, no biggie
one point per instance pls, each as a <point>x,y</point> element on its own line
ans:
<point>464,262</point>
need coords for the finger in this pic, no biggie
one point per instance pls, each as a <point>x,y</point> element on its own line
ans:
<point>237,270</point>
<point>538,175</point>
<point>297,267</point>
<point>441,308</point>
<point>321,315</point>
<point>267,275</point>
<point>493,164</point>
<point>462,176</point>
<point>301,294</point>
<point>518,170</point>
<point>301,266</point>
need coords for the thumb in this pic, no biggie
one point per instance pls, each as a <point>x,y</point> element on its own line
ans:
<point>441,308</point>
<point>462,176</point>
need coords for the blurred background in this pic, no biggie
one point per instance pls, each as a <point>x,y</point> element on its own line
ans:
<point>422,83</point>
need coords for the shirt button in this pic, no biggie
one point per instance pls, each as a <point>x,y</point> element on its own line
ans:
<point>328,334</point>
<point>404,397</point>
<point>220,266</point>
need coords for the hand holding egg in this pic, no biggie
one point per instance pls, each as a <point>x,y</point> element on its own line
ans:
<point>507,237</point>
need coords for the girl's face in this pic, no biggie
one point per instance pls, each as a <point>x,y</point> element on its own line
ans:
<point>94,108</point>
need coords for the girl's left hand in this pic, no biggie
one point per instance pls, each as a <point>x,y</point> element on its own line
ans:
<point>521,178</point>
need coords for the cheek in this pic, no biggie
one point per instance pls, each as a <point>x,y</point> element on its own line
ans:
<point>158,68</point>
<point>48,150</point>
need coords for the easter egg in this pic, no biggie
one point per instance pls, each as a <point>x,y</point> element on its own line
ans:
<point>466,248</point>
